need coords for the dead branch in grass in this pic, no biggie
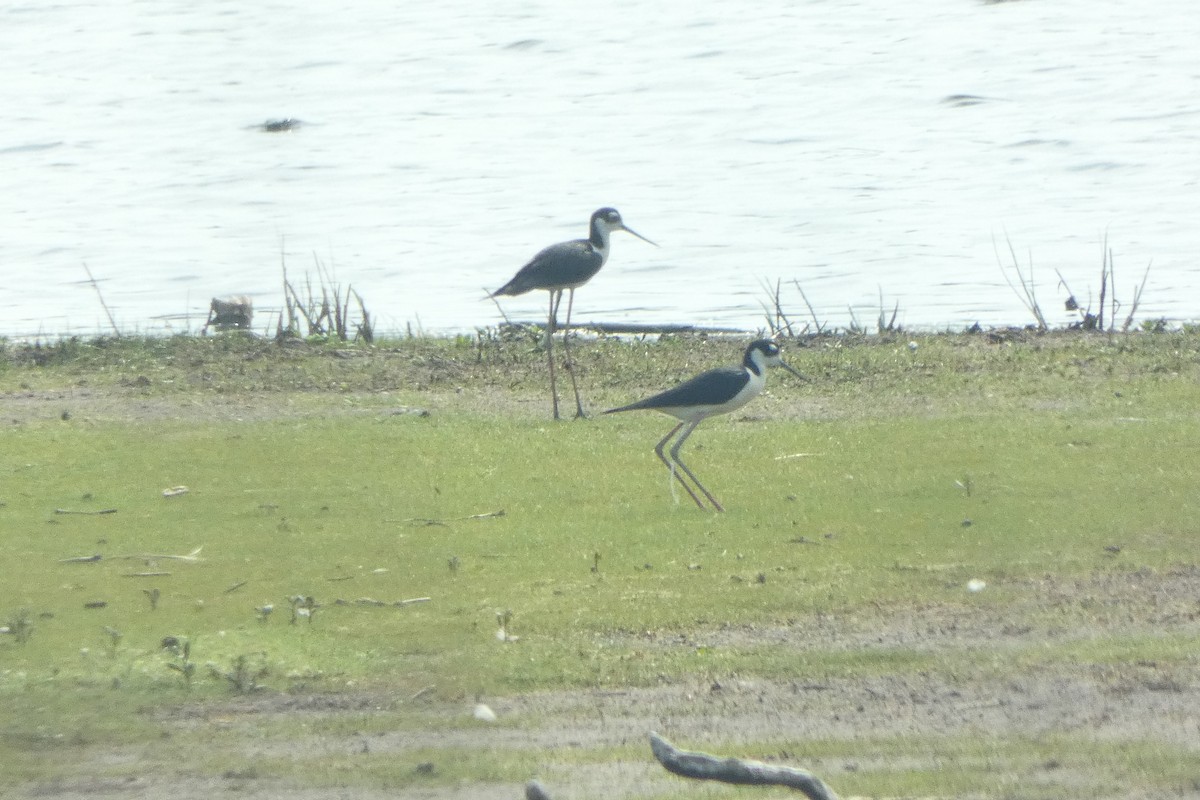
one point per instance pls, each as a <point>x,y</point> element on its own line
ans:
<point>780,324</point>
<point>1108,297</point>
<point>777,320</point>
<point>499,307</point>
<point>1087,320</point>
<point>104,305</point>
<point>820,326</point>
<point>322,310</point>
<point>1028,291</point>
<point>1137,298</point>
<point>1105,277</point>
<point>191,557</point>
<point>371,601</point>
<point>705,767</point>
<point>429,521</point>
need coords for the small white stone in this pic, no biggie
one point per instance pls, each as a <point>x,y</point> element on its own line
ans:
<point>484,714</point>
<point>976,585</point>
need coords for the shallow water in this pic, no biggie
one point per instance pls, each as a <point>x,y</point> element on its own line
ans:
<point>861,150</point>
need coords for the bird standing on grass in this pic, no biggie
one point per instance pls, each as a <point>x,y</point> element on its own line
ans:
<point>567,266</point>
<point>717,391</point>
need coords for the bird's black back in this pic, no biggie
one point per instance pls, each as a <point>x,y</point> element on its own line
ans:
<point>558,266</point>
<point>708,388</point>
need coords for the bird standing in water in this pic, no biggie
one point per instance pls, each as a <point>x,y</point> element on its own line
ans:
<point>567,266</point>
<point>717,391</point>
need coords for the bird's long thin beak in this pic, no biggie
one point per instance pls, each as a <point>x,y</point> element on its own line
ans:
<point>628,229</point>
<point>792,370</point>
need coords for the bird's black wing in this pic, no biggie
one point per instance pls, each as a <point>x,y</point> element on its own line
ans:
<point>708,388</point>
<point>558,266</point>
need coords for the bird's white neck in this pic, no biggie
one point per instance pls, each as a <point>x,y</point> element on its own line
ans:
<point>756,370</point>
<point>758,381</point>
<point>600,239</point>
<point>756,364</point>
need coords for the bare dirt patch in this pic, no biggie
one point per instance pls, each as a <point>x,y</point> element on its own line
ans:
<point>1135,702</point>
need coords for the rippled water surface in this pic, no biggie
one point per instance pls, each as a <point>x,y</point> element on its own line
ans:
<point>858,150</point>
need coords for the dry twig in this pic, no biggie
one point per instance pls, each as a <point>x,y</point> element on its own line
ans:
<point>193,556</point>
<point>1028,291</point>
<point>428,522</point>
<point>104,305</point>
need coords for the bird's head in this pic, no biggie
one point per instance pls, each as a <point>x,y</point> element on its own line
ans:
<point>607,220</point>
<point>767,353</point>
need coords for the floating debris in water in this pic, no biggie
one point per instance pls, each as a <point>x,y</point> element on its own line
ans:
<point>961,100</point>
<point>280,125</point>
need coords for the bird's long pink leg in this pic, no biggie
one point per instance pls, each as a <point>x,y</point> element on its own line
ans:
<point>551,324</point>
<point>570,364</point>
<point>659,450</point>
<point>691,426</point>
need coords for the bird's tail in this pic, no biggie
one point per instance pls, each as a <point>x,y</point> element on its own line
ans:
<point>511,288</point>
<point>506,289</point>
<point>631,407</point>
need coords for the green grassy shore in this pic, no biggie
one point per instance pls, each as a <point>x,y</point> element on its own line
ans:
<point>360,524</point>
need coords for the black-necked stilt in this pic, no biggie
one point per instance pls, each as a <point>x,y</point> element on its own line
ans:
<point>717,391</point>
<point>567,266</point>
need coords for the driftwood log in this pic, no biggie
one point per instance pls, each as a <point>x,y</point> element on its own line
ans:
<point>702,766</point>
<point>736,770</point>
